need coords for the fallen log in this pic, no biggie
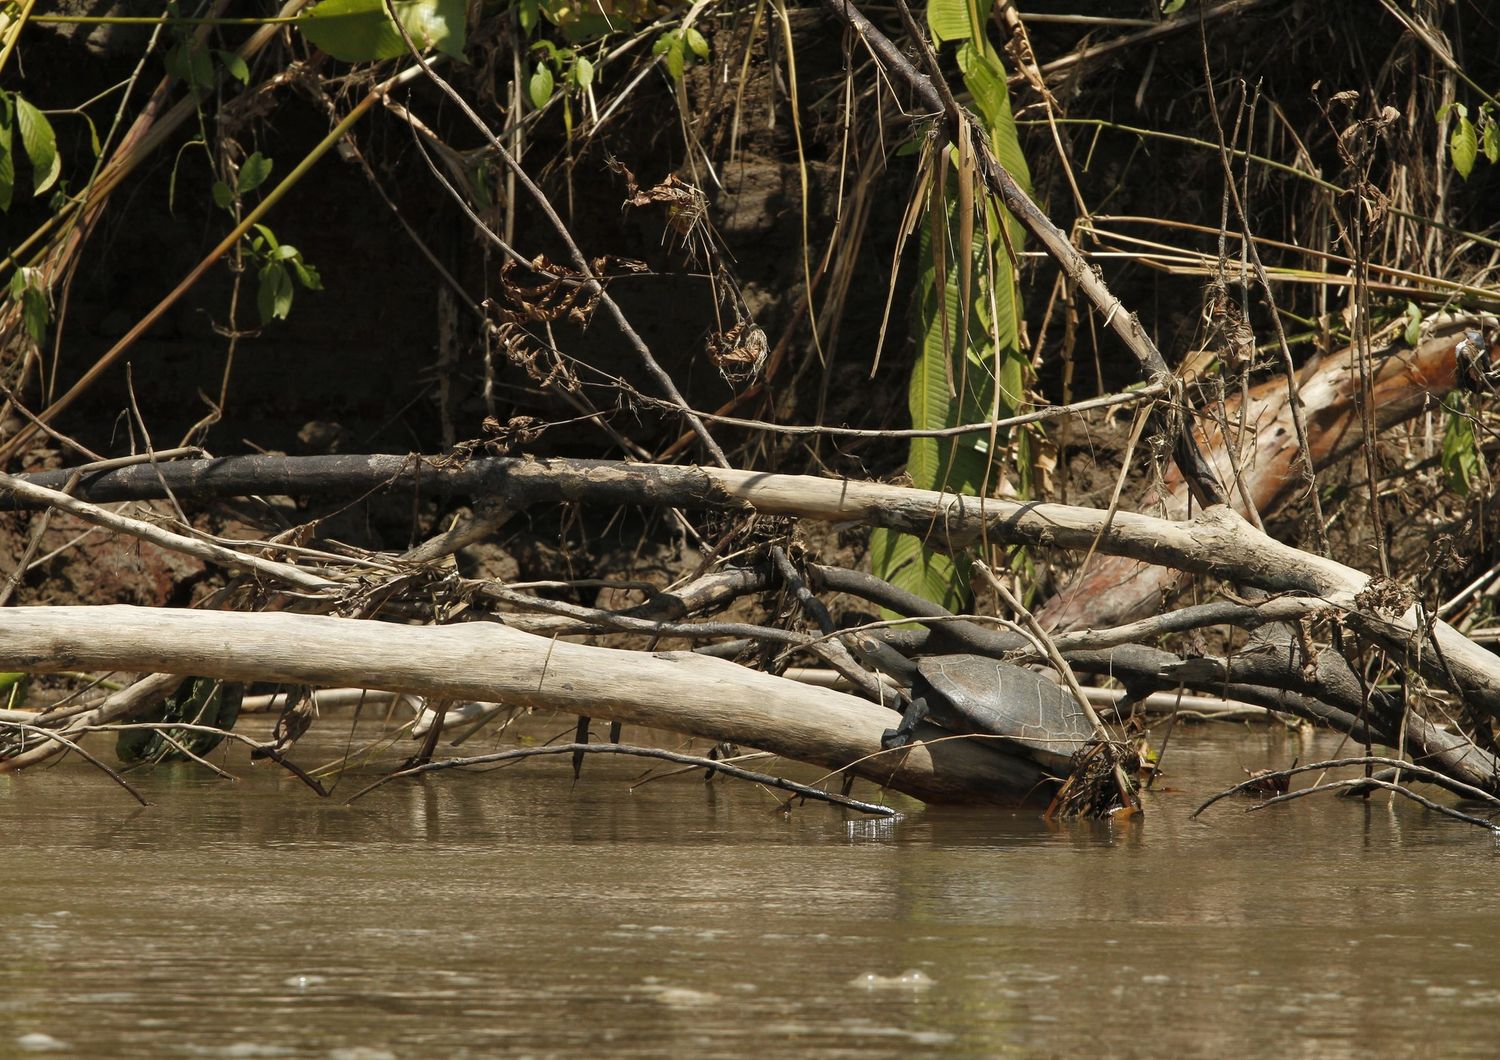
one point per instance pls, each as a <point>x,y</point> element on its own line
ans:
<point>1120,589</point>
<point>680,691</point>
<point>1216,543</point>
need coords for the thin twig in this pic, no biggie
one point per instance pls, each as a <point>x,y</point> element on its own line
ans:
<point>211,553</point>
<point>1195,466</point>
<point>580,262</point>
<point>70,745</point>
<point>1458,787</point>
<point>718,765</point>
<point>1371,782</point>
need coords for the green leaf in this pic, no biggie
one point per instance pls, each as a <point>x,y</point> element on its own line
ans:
<point>7,162</point>
<point>269,236</point>
<point>360,31</point>
<point>1463,147</point>
<point>1489,136</point>
<point>307,276</point>
<point>1412,333</point>
<point>539,87</point>
<point>26,288</point>
<point>949,19</point>
<point>200,70</point>
<point>196,701</point>
<point>253,172</point>
<point>675,58</point>
<point>274,296</point>
<point>954,378</point>
<point>235,65</point>
<point>177,63</point>
<point>40,143</point>
<point>1462,463</point>
<point>697,42</point>
<point>583,73</point>
<point>526,14</point>
<point>902,560</point>
<point>94,144</point>
<point>223,195</point>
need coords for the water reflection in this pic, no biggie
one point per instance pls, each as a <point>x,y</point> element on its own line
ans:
<point>514,912</point>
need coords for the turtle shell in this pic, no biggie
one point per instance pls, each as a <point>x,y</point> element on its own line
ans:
<point>1002,699</point>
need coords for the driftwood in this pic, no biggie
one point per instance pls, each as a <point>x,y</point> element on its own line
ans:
<point>718,700</point>
<point>679,691</point>
<point>1216,542</point>
<point>703,696</point>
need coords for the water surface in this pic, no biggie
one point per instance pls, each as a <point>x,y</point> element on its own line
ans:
<point>514,913</point>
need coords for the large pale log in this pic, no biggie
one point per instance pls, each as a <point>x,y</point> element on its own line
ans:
<point>679,691</point>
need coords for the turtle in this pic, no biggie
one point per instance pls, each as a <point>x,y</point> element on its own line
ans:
<point>977,694</point>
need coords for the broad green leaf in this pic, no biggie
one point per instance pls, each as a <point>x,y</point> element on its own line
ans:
<point>675,58</point>
<point>40,143</point>
<point>583,73</point>
<point>987,370</point>
<point>200,70</point>
<point>253,172</point>
<point>360,31</point>
<point>1462,463</point>
<point>905,563</point>
<point>1463,147</point>
<point>274,296</point>
<point>235,65</point>
<point>223,195</point>
<point>949,19</point>
<point>539,87</point>
<point>526,14</point>
<point>177,63</point>
<point>696,42</point>
<point>1489,136</point>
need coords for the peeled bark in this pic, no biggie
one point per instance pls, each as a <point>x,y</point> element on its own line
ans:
<point>1119,589</point>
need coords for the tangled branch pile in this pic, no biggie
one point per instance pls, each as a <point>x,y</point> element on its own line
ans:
<point>751,337</point>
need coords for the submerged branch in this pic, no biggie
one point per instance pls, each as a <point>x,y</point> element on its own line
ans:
<point>712,764</point>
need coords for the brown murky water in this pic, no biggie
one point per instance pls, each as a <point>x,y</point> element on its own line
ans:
<point>509,914</point>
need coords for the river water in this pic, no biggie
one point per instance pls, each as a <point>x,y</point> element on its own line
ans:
<point>512,913</point>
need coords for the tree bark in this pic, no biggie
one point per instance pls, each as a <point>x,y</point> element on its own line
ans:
<point>1120,589</point>
<point>680,691</point>
<point>1216,543</point>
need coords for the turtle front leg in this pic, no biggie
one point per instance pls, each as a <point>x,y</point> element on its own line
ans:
<point>901,735</point>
